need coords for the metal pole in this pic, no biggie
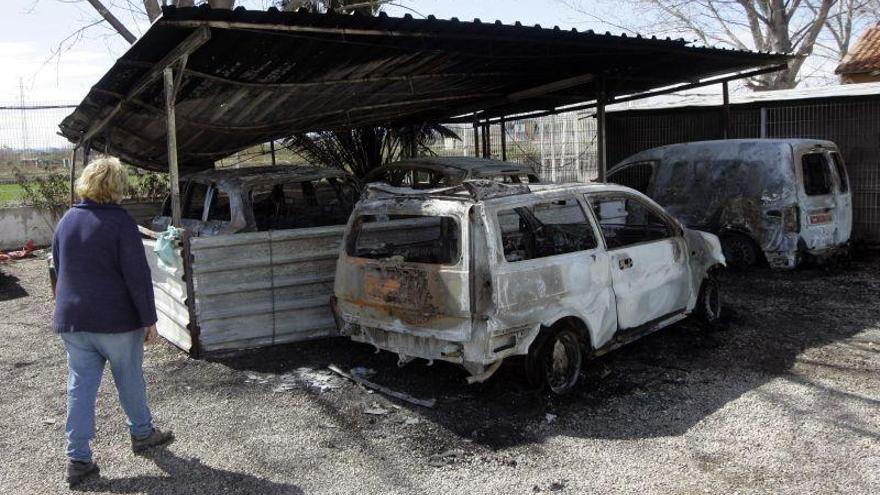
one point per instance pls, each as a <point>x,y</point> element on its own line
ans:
<point>600,132</point>
<point>503,140</point>
<point>487,145</point>
<point>171,129</point>
<point>272,149</point>
<point>87,152</point>
<point>725,110</point>
<point>476,140</point>
<point>72,175</point>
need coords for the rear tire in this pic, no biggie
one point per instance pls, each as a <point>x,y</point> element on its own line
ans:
<point>555,360</point>
<point>740,251</point>
<point>709,305</point>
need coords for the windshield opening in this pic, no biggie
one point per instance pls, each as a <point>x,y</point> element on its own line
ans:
<point>405,238</point>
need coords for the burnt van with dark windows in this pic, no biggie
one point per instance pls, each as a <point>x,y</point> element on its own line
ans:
<point>782,201</point>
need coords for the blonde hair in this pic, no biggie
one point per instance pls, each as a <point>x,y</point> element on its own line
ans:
<point>103,181</point>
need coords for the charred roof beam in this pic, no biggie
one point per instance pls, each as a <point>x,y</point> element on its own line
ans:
<point>192,42</point>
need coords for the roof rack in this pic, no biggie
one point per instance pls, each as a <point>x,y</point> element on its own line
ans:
<point>474,190</point>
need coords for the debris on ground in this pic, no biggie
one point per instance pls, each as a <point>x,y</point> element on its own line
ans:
<point>550,417</point>
<point>445,458</point>
<point>385,390</point>
<point>376,410</point>
<point>17,255</point>
<point>310,378</point>
<point>363,372</point>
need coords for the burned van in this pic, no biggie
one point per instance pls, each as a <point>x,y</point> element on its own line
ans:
<point>779,200</point>
<point>484,271</point>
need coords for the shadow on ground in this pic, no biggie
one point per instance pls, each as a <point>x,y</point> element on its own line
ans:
<point>10,288</point>
<point>663,384</point>
<point>188,476</point>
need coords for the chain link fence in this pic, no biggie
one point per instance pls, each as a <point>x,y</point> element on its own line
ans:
<point>561,148</point>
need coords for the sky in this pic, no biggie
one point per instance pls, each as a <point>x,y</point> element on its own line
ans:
<point>47,59</point>
<point>38,57</point>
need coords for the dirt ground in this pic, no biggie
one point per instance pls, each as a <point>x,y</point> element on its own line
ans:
<point>784,399</point>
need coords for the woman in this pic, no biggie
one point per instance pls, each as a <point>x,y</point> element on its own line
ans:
<point>104,311</point>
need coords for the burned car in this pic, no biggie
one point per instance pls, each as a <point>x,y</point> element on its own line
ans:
<point>480,272</point>
<point>253,199</point>
<point>779,200</point>
<point>440,171</point>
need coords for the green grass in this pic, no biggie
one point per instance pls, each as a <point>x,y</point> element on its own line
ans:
<point>9,193</point>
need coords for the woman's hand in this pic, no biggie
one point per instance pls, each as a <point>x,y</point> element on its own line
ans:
<point>150,334</point>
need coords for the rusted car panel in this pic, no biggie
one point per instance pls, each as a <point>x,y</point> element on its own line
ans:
<point>507,284</point>
<point>754,188</point>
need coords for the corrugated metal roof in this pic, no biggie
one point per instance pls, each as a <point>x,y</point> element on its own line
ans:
<point>864,56</point>
<point>263,75</point>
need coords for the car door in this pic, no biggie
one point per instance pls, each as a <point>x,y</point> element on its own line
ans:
<point>550,264</point>
<point>820,206</point>
<point>647,252</point>
<point>843,208</point>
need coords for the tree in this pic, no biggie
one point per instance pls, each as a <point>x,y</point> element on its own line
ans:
<point>360,150</point>
<point>846,19</point>
<point>365,7</point>
<point>798,27</point>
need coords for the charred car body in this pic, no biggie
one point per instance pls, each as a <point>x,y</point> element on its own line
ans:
<point>785,200</point>
<point>483,271</point>
<point>442,171</point>
<point>229,201</point>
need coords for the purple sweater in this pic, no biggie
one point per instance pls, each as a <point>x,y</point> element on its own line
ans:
<point>104,283</point>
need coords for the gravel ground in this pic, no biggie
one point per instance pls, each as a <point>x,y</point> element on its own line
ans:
<point>783,399</point>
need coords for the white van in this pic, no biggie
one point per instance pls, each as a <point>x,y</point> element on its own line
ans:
<point>783,200</point>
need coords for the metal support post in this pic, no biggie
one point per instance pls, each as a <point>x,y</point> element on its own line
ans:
<point>725,111</point>
<point>503,140</point>
<point>171,130</point>
<point>601,158</point>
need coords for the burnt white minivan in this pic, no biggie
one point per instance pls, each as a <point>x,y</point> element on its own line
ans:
<point>780,200</point>
<point>477,273</point>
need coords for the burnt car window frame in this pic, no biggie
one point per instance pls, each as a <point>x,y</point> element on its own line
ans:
<point>651,163</point>
<point>573,196</point>
<point>675,229</point>
<point>843,185</point>
<point>211,204</point>
<point>828,174</point>
<point>353,235</point>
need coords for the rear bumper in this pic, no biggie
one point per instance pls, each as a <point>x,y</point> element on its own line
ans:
<point>824,254</point>
<point>792,258</point>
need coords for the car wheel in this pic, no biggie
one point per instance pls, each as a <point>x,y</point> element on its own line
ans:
<point>709,305</point>
<point>555,359</point>
<point>739,251</point>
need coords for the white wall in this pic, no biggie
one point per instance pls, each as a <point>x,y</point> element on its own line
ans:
<point>22,223</point>
<point>19,224</point>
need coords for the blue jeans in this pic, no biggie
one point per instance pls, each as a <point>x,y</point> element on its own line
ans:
<point>86,354</point>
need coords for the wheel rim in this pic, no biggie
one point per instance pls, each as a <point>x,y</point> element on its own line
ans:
<point>712,302</point>
<point>562,363</point>
<point>739,251</point>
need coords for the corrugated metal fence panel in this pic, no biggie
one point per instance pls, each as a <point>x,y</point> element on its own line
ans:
<point>265,288</point>
<point>170,294</point>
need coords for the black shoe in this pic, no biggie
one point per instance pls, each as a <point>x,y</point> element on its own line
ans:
<point>78,471</point>
<point>155,438</point>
